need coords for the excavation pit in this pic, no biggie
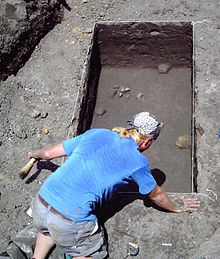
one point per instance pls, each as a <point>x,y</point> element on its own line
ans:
<point>134,67</point>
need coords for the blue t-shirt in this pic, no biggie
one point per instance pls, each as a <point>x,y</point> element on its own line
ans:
<point>98,162</point>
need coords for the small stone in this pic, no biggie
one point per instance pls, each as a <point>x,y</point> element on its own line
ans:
<point>124,90</point>
<point>100,112</point>
<point>35,114</point>
<point>46,131</point>
<point>115,87</point>
<point>155,33</point>
<point>163,68</point>
<point>84,1</point>
<point>127,89</point>
<point>120,94</point>
<point>18,131</point>
<point>43,115</point>
<point>139,95</point>
<point>161,125</point>
<point>88,30</point>
<point>184,142</point>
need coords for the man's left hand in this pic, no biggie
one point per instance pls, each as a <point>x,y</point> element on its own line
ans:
<point>188,205</point>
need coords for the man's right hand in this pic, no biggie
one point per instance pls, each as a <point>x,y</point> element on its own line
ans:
<point>33,154</point>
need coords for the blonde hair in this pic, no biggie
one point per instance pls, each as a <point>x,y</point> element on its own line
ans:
<point>127,133</point>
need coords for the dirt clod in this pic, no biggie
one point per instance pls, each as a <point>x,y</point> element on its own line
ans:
<point>101,112</point>
<point>163,68</point>
<point>139,96</point>
<point>184,142</point>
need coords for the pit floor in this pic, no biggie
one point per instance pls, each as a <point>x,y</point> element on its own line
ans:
<point>168,97</point>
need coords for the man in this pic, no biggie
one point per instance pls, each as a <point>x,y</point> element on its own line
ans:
<point>99,162</point>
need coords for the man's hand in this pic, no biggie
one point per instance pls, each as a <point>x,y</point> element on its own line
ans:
<point>188,205</point>
<point>34,154</point>
<point>160,198</point>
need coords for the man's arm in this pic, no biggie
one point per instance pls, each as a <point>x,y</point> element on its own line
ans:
<point>48,152</point>
<point>159,197</point>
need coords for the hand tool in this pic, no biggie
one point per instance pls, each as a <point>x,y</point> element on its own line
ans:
<point>26,169</point>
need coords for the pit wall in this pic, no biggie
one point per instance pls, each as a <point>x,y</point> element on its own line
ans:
<point>88,89</point>
<point>145,45</point>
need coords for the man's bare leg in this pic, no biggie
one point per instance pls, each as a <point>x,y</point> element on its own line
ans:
<point>43,246</point>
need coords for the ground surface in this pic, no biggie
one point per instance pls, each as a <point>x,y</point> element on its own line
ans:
<point>42,97</point>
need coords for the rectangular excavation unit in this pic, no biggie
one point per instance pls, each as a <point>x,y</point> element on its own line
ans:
<point>143,66</point>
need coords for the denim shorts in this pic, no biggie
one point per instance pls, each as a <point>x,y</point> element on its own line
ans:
<point>74,238</point>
